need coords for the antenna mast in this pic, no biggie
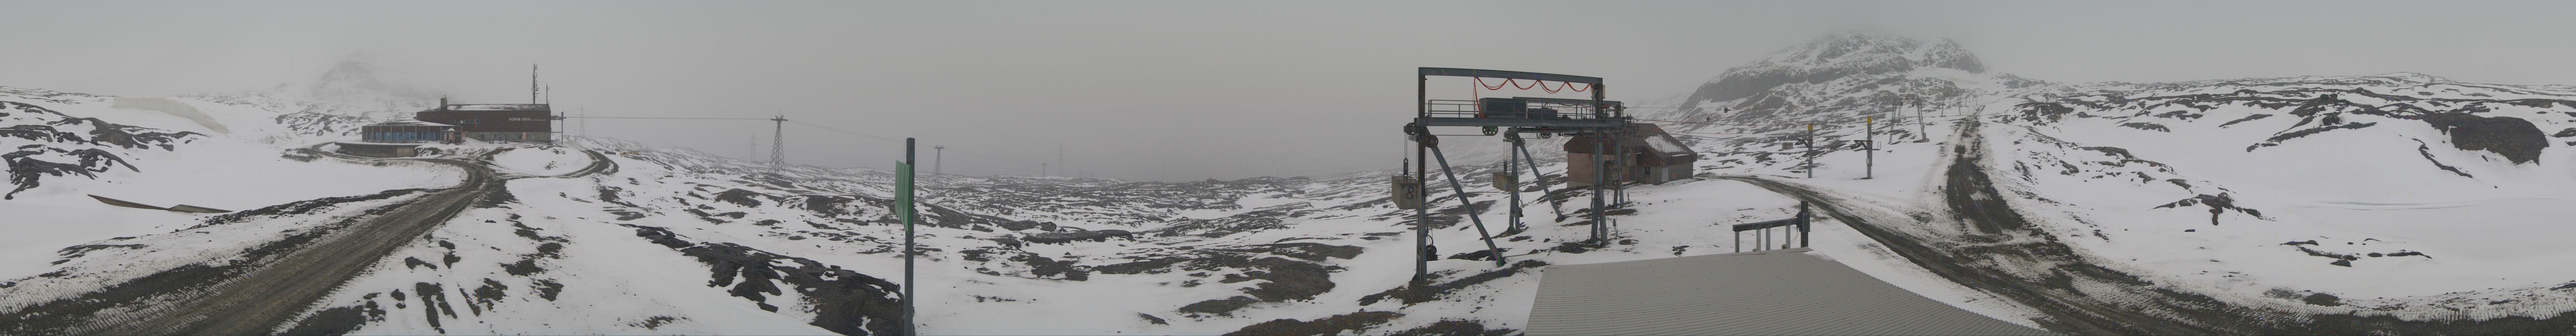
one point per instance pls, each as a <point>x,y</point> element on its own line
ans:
<point>532,83</point>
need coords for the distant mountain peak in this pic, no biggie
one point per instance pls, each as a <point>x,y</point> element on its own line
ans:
<point>2414,77</point>
<point>1870,54</point>
<point>361,80</point>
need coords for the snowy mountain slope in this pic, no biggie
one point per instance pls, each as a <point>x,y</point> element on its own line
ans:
<point>2438,191</point>
<point>668,240</point>
<point>2350,203</point>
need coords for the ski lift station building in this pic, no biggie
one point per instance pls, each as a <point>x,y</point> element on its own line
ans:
<point>1650,156</point>
<point>409,131</point>
<point>495,122</point>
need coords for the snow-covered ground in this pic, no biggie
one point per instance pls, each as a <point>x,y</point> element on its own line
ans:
<point>2434,207</point>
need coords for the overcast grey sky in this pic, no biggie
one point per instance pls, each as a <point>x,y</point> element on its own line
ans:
<point>1183,90</point>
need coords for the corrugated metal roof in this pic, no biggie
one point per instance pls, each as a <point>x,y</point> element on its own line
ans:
<point>1778,292</point>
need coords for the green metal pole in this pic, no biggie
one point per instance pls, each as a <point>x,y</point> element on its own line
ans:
<point>903,208</point>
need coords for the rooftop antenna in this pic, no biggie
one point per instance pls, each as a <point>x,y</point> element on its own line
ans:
<point>532,83</point>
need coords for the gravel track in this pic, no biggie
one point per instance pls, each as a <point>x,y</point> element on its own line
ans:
<point>267,296</point>
<point>260,300</point>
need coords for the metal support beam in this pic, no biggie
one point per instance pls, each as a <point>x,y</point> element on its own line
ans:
<point>1542,177</point>
<point>1512,167</point>
<point>1454,72</point>
<point>1500,122</point>
<point>1421,214</point>
<point>1463,202</point>
<point>1600,176</point>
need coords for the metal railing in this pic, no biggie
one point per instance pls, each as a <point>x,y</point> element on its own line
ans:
<point>1448,108</point>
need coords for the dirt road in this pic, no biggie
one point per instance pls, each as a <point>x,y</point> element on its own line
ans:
<point>259,301</point>
<point>273,283</point>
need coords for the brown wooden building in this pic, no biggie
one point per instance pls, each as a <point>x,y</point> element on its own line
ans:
<point>495,122</point>
<point>1653,157</point>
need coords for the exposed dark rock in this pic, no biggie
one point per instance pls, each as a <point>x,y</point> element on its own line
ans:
<point>843,301</point>
<point>1071,236</point>
<point>1042,266</point>
<point>337,320</point>
<point>2323,299</point>
<point>2427,151</point>
<point>1456,327</point>
<point>1412,295</point>
<point>2517,140</point>
<point>1225,306</point>
<point>2251,117</point>
<point>1333,325</point>
<point>740,197</point>
<point>2218,204</point>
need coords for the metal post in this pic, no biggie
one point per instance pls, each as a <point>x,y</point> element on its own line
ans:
<point>908,284</point>
<point>1462,199</point>
<point>1803,228</point>
<point>1868,150</point>
<point>1811,150</point>
<point>1619,189</point>
<point>1513,169</point>
<point>1600,176</point>
<point>1421,214</point>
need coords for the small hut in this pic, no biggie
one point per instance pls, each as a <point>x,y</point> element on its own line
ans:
<point>1651,157</point>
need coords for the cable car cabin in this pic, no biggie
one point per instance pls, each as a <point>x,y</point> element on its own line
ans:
<point>1650,156</point>
<point>408,131</point>
<point>1408,192</point>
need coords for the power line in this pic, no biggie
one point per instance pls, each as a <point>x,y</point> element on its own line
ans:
<point>1704,123</point>
<point>827,128</point>
<point>844,131</point>
<point>666,118</point>
<point>1731,139</point>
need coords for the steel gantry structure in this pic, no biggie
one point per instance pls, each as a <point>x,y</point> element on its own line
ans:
<point>1510,117</point>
